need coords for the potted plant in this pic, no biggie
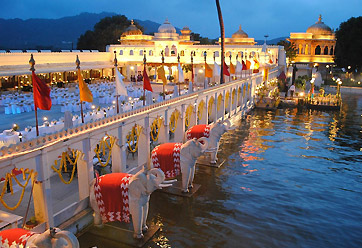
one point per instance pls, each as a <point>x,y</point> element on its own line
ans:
<point>31,223</point>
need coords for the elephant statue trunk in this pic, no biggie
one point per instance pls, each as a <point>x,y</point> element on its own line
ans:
<point>51,238</point>
<point>115,196</point>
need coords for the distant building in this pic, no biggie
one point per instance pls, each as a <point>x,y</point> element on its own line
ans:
<point>133,46</point>
<point>316,47</point>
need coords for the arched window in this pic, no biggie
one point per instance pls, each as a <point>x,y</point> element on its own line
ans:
<point>326,50</point>
<point>131,52</point>
<point>217,54</point>
<point>331,51</point>
<point>141,52</point>
<point>317,50</point>
<point>120,52</point>
<point>167,51</point>
<point>182,53</point>
<point>300,50</point>
<point>150,53</point>
<point>173,50</point>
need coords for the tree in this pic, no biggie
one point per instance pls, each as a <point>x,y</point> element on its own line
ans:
<point>348,46</point>
<point>222,31</point>
<point>290,49</point>
<point>203,40</point>
<point>106,31</point>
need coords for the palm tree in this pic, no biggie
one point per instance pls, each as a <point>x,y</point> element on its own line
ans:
<point>222,30</point>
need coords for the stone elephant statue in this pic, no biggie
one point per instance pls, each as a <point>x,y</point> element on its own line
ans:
<point>213,132</point>
<point>173,158</point>
<point>117,195</point>
<point>51,238</point>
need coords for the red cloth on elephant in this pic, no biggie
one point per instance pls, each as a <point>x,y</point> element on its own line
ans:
<point>167,158</point>
<point>198,131</point>
<point>16,237</point>
<point>111,192</point>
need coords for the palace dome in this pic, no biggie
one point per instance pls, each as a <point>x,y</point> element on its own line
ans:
<point>166,27</point>
<point>132,30</point>
<point>320,28</point>
<point>240,34</point>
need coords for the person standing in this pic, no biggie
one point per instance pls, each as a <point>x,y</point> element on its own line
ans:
<point>292,89</point>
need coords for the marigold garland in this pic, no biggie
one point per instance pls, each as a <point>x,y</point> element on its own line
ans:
<point>174,120</point>
<point>103,144</point>
<point>133,138</point>
<point>8,181</point>
<point>189,111</point>
<point>155,128</point>
<point>63,164</point>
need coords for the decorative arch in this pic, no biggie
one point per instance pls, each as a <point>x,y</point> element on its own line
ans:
<point>150,53</point>
<point>141,52</point>
<point>131,52</point>
<point>120,52</point>
<point>210,105</point>
<point>325,52</point>
<point>174,120</point>
<point>173,50</point>
<point>182,53</point>
<point>227,100</point>
<point>219,101</point>
<point>317,50</point>
<point>331,51</point>
<point>132,138</point>
<point>233,95</point>
<point>167,51</point>
<point>188,115</point>
<point>217,54</point>
<point>200,109</point>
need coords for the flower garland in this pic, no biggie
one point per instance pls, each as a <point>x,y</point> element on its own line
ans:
<point>133,138</point>
<point>189,111</point>
<point>200,109</point>
<point>63,165</point>
<point>174,120</point>
<point>155,128</point>
<point>8,181</point>
<point>103,144</point>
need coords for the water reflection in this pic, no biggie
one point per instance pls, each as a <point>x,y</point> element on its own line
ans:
<point>292,178</point>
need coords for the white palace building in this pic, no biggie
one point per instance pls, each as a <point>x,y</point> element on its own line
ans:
<point>60,66</point>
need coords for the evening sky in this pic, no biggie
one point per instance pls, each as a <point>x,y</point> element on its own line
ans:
<point>276,18</point>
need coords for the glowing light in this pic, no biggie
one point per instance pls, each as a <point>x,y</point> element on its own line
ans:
<point>114,102</point>
<point>132,67</point>
<point>301,93</point>
<point>93,106</point>
<point>45,118</point>
<point>201,71</point>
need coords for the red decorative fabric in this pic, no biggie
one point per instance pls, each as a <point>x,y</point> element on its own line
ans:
<point>111,192</point>
<point>167,158</point>
<point>226,70</point>
<point>198,131</point>
<point>14,171</point>
<point>41,93</point>
<point>16,237</point>
<point>146,81</point>
<point>244,66</point>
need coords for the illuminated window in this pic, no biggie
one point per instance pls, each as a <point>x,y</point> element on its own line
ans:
<point>131,52</point>
<point>120,52</point>
<point>173,50</point>
<point>182,53</point>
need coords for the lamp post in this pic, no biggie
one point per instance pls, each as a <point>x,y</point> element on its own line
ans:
<point>339,83</point>
<point>205,55</point>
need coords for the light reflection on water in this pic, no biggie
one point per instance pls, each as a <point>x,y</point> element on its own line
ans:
<point>292,178</point>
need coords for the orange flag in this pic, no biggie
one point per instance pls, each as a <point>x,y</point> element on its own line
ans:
<point>146,81</point>
<point>226,70</point>
<point>208,71</point>
<point>232,68</point>
<point>85,94</point>
<point>41,93</point>
<point>248,64</point>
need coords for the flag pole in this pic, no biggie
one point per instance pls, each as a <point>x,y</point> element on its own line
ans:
<point>230,68</point>
<point>163,85</point>
<point>77,62</point>
<point>179,90</point>
<point>213,72</point>
<point>32,69</point>
<point>144,69</point>
<point>115,68</point>
<point>192,71</point>
<point>236,64</point>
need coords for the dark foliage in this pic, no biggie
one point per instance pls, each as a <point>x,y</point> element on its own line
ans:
<point>107,31</point>
<point>348,47</point>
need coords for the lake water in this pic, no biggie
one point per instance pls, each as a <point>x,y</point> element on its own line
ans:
<point>292,178</point>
